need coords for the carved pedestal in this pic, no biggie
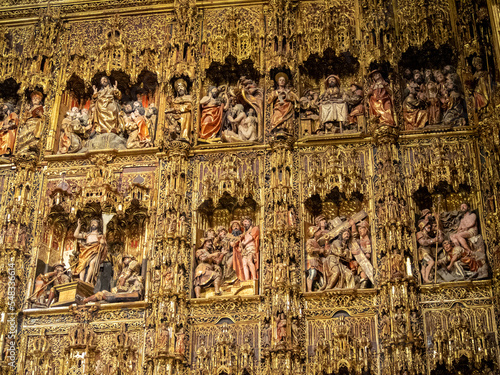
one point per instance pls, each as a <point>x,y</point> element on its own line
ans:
<point>74,292</point>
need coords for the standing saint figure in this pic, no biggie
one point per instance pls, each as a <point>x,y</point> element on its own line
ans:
<point>212,114</point>
<point>246,261</point>
<point>180,110</point>
<point>105,118</point>
<point>285,102</point>
<point>8,130</point>
<point>379,97</point>
<point>32,124</point>
<point>91,253</point>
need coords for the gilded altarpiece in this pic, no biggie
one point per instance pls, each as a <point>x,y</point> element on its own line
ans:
<point>277,187</point>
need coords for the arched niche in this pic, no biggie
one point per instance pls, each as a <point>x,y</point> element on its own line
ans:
<point>130,122</point>
<point>449,234</point>
<point>433,93</point>
<point>331,95</point>
<point>338,244</point>
<point>72,215</point>
<point>236,89</point>
<point>224,222</point>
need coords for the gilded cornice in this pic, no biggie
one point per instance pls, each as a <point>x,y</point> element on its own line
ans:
<point>29,11</point>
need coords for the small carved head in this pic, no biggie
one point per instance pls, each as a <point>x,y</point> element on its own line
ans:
<point>36,97</point>
<point>105,81</point>
<point>464,207</point>
<point>247,222</point>
<point>181,87</point>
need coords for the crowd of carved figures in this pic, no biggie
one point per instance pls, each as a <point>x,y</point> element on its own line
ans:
<point>289,188</point>
<point>235,113</point>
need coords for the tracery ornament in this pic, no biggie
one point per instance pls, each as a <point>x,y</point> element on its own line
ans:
<point>458,333</point>
<point>233,32</point>
<point>342,343</point>
<point>318,30</point>
<point>441,162</point>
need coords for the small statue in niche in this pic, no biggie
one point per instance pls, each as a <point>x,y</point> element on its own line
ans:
<point>31,124</point>
<point>129,286</point>
<point>40,296</point>
<point>281,327</point>
<point>8,130</point>
<point>202,356</point>
<point>284,104</point>
<point>295,332</point>
<point>213,106</point>
<point>309,105</point>
<point>247,353</point>
<point>332,106</point>
<point>180,112</point>
<point>281,272</point>
<point>380,101</point>
<point>10,234</point>
<point>266,335</point>
<point>481,85</point>
<point>91,253</point>
<point>105,107</point>
<point>180,342</point>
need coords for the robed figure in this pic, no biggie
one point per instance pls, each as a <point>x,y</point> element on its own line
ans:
<point>91,252</point>
<point>8,130</point>
<point>105,115</point>
<point>212,114</point>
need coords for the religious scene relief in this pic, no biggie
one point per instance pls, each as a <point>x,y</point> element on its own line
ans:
<point>226,256</point>
<point>338,245</point>
<point>232,113</point>
<point>433,97</point>
<point>249,188</point>
<point>91,247</point>
<point>108,117</point>
<point>450,244</point>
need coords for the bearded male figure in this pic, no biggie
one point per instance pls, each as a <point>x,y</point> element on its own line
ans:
<point>246,261</point>
<point>91,253</point>
<point>105,117</point>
